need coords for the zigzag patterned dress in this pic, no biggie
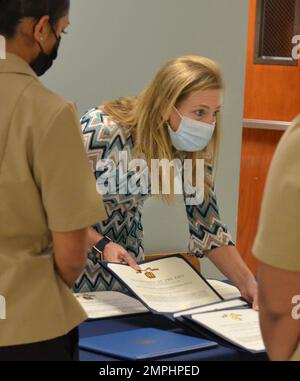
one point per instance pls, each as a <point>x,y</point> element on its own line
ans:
<point>104,140</point>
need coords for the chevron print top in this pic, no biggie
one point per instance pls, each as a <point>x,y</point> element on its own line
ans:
<point>103,140</point>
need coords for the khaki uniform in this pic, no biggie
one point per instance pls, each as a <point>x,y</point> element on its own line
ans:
<point>45,185</point>
<point>278,241</point>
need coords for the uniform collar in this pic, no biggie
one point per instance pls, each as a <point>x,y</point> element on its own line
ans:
<point>16,65</point>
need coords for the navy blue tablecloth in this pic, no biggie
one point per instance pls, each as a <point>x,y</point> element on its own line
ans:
<point>223,352</point>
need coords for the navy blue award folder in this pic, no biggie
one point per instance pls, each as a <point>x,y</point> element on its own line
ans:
<point>144,344</point>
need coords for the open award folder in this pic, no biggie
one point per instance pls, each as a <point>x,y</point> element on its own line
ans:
<point>173,288</point>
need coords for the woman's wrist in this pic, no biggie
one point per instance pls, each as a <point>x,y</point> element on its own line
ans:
<point>245,281</point>
<point>249,290</point>
<point>107,249</point>
<point>230,263</point>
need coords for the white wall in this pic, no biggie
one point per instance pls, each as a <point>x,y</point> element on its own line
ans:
<point>114,47</point>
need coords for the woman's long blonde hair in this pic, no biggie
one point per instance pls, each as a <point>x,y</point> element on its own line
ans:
<point>144,115</point>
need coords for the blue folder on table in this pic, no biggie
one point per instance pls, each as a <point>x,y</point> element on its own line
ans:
<point>143,344</point>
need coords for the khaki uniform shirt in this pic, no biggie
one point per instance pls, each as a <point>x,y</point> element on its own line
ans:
<point>278,241</point>
<point>45,185</point>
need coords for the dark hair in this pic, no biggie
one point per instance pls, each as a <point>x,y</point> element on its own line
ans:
<point>13,11</point>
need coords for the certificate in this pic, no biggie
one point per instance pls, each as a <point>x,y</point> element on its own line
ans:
<point>105,304</point>
<point>226,290</point>
<point>167,285</point>
<point>238,326</point>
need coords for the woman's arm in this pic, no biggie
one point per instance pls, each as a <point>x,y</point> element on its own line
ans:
<point>207,231</point>
<point>113,252</point>
<point>281,330</point>
<point>230,263</point>
<point>100,137</point>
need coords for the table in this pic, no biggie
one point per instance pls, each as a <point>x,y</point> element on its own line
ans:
<point>224,352</point>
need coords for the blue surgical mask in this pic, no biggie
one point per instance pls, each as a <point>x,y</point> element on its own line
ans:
<point>192,135</point>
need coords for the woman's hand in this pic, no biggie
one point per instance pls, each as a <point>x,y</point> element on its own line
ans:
<point>112,252</point>
<point>117,254</point>
<point>249,292</point>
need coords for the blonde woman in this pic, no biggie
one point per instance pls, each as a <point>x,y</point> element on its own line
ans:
<point>175,117</point>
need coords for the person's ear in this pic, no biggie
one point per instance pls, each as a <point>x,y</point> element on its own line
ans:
<point>41,29</point>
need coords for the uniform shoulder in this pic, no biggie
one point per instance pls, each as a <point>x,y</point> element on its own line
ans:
<point>289,144</point>
<point>44,102</point>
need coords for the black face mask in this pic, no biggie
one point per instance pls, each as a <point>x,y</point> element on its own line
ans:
<point>43,62</point>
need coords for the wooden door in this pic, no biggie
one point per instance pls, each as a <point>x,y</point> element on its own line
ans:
<point>272,93</point>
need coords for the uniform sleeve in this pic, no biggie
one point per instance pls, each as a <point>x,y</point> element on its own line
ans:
<point>278,239</point>
<point>64,177</point>
<point>206,228</point>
